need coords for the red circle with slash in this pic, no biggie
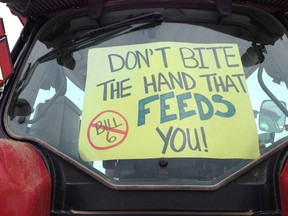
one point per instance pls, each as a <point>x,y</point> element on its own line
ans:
<point>102,122</point>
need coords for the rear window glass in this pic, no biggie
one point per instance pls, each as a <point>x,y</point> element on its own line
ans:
<point>160,98</point>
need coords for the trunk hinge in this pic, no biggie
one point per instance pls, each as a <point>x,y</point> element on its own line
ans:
<point>95,8</point>
<point>224,7</point>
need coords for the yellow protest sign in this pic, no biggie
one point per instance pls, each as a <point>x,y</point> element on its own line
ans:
<point>167,99</point>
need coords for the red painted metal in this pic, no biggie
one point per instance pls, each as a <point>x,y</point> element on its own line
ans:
<point>22,20</point>
<point>264,6</point>
<point>6,67</point>
<point>25,183</point>
<point>2,30</point>
<point>284,190</point>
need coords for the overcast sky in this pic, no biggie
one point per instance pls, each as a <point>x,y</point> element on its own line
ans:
<point>12,25</point>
